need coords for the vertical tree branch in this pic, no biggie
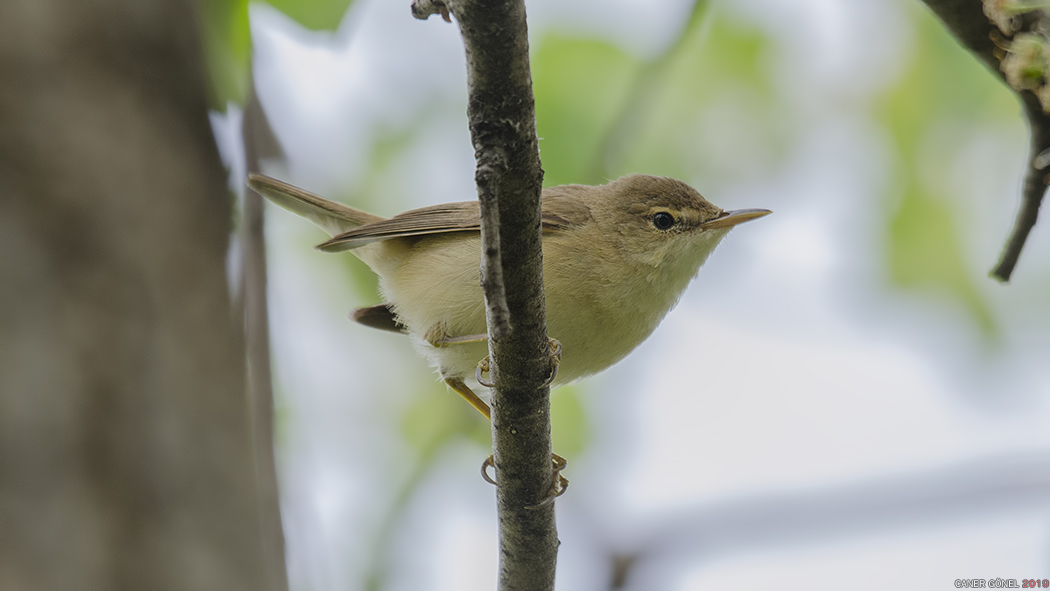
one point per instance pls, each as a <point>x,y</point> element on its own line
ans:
<point>254,132</point>
<point>502,120</point>
<point>125,457</point>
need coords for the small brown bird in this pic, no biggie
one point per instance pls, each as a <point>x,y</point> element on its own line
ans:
<point>616,259</point>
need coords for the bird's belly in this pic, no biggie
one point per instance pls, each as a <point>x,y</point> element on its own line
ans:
<point>586,349</point>
<point>592,339</point>
<point>596,328</point>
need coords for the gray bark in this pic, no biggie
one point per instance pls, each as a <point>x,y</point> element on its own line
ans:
<point>502,121</point>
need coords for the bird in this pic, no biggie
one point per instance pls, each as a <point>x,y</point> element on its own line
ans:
<point>616,259</point>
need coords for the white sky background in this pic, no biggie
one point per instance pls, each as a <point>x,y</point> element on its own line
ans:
<point>787,369</point>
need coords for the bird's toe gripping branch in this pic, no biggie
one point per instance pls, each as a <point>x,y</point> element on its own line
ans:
<point>554,355</point>
<point>559,483</point>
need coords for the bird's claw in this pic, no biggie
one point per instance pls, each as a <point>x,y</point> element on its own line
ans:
<point>483,368</point>
<point>490,462</point>
<point>554,357</point>
<point>559,483</point>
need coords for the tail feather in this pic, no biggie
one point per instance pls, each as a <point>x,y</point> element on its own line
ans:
<point>334,218</point>
<point>381,317</point>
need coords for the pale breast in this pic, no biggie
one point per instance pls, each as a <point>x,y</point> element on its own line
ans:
<point>436,290</point>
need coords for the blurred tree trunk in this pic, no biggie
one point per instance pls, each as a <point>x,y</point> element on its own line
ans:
<point>125,451</point>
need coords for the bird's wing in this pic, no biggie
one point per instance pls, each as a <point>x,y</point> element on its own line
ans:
<point>436,219</point>
<point>334,218</point>
<point>463,216</point>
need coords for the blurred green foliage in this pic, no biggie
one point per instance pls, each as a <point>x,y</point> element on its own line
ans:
<point>434,418</point>
<point>602,113</point>
<point>943,86</point>
<point>226,40</point>
<point>570,430</point>
<point>437,416</point>
<point>579,86</point>
<point>316,15</point>
<point>368,194</point>
<point>719,62</point>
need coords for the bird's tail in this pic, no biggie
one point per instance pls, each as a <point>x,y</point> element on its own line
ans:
<point>334,218</point>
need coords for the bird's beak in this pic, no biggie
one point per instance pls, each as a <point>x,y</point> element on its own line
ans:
<point>728,219</point>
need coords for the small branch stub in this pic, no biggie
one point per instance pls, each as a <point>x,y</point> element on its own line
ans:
<point>422,9</point>
<point>1035,183</point>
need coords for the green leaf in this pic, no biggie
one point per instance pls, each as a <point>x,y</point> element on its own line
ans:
<point>317,15</point>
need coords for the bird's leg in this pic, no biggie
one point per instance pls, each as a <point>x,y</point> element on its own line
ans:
<point>553,357</point>
<point>559,484</point>
<point>438,337</point>
<point>472,399</point>
<point>470,338</point>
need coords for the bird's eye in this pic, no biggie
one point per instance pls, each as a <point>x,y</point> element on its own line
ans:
<point>663,220</point>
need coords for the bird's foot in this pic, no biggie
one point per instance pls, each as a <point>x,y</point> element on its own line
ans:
<point>483,368</point>
<point>559,483</point>
<point>553,355</point>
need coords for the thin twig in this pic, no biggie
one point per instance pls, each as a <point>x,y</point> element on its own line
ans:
<point>492,282</point>
<point>970,26</point>
<point>1031,197</point>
